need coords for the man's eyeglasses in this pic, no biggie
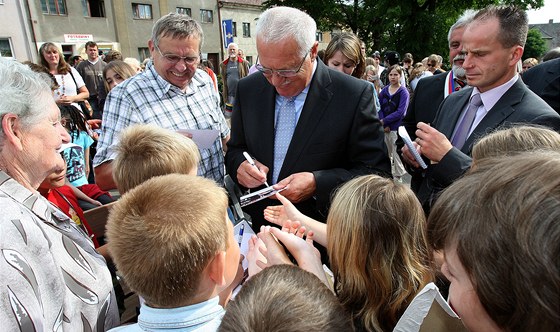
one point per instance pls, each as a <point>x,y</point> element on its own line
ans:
<point>431,65</point>
<point>174,59</point>
<point>282,72</point>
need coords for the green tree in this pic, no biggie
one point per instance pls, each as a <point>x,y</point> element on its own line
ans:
<point>535,46</point>
<point>416,26</point>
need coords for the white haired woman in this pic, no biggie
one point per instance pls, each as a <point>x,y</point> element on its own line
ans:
<point>52,277</point>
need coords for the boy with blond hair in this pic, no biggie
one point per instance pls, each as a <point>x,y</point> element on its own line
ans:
<point>172,241</point>
<point>146,150</point>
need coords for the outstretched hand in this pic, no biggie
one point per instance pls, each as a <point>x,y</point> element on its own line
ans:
<point>279,214</point>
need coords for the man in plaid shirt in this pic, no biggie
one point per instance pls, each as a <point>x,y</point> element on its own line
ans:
<point>170,93</point>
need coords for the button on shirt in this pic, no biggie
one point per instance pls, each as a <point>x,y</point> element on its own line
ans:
<point>148,98</point>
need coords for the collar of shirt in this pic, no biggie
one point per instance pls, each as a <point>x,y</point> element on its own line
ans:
<point>187,318</point>
<point>491,97</point>
<point>93,62</point>
<point>300,98</point>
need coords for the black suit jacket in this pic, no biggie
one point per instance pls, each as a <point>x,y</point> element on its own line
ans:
<point>544,80</point>
<point>518,105</point>
<point>338,135</point>
<point>422,108</point>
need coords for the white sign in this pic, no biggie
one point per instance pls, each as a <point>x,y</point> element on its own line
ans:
<point>77,38</point>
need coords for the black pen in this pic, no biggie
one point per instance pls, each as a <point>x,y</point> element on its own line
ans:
<point>252,163</point>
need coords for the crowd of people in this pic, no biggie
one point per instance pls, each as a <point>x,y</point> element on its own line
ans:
<point>344,245</point>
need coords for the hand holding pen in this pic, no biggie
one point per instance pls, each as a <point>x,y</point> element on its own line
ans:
<point>252,163</point>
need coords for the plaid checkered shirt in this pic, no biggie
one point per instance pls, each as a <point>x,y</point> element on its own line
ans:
<point>148,98</point>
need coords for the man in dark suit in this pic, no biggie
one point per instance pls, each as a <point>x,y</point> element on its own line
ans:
<point>544,80</point>
<point>493,43</point>
<point>431,91</point>
<point>335,132</point>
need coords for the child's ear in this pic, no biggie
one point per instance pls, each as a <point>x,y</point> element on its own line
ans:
<point>217,268</point>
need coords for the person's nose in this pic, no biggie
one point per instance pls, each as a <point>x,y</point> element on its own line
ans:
<point>181,65</point>
<point>277,80</point>
<point>467,63</point>
<point>64,134</point>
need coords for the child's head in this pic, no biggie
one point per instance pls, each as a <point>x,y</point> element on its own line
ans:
<point>146,150</point>
<point>54,180</point>
<point>499,229</point>
<point>171,239</point>
<point>72,119</point>
<point>514,140</point>
<point>378,249</point>
<point>116,72</point>
<point>282,298</point>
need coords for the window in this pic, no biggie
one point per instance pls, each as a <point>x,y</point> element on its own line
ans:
<point>53,7</point>
<point>184,11</point>
<point>1,2</point>
<point>93,8</point>
<point>142,11</point>
<point>319,36</point>
<point>143,53</point>
<point>246,29</point>
<point>206,16</point>
<point>249,59</point>
<point>6,48</point>
<point>234,28</point>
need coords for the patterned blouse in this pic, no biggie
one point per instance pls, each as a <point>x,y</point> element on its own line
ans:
<point>51,277</point>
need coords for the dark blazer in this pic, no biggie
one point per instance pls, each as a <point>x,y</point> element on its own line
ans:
<point>338,135</point>
<point>517,105</point>
<point>422,108</point>
<point>424,103</point>
<point>544,80</point>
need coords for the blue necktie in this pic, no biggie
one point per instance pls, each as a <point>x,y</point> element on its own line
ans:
<point>464,126</point>
<point>285,126</point>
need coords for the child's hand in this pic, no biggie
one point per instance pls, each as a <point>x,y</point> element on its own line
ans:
<point>273,251</point>
<point>279,214</point>
<point>257,261</point>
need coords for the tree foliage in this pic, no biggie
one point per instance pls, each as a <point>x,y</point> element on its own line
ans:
<point>535,46</point>
<point>416,26</point>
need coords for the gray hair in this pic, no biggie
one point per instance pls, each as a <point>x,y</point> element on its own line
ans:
<point>233,44</point>
<point>177,26</point>
<point>279,23</point>
<point>23,92</point>
<point>462,21</point>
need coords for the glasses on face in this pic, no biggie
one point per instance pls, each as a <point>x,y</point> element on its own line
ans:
<point>282,72</point>
<point>174,58</point>
<point>431,65</point>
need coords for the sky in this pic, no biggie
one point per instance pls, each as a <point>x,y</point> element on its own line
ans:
<point>550,10</point>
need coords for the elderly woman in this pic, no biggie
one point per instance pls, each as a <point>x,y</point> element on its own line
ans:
<point>53,279</point>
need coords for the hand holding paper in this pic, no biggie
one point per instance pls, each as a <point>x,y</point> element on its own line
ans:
<point>404,135</point>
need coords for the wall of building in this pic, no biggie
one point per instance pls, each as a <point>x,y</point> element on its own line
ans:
<point>15,29</point>
<point>52,28</point>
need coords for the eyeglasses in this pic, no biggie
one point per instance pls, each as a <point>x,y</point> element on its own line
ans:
<point>283,72</point>
<point>431,65</point>
<point>174,59</point>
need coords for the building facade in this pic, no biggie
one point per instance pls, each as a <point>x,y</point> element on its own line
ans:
<point>550,32</point>
<point>123,25</point>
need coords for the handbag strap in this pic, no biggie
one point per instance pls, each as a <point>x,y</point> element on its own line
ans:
<point>73,79</point>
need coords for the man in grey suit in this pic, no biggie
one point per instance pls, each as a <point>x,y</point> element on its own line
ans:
<point>431,91</point>
<point>332,133</point>
<point>493,43</point>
